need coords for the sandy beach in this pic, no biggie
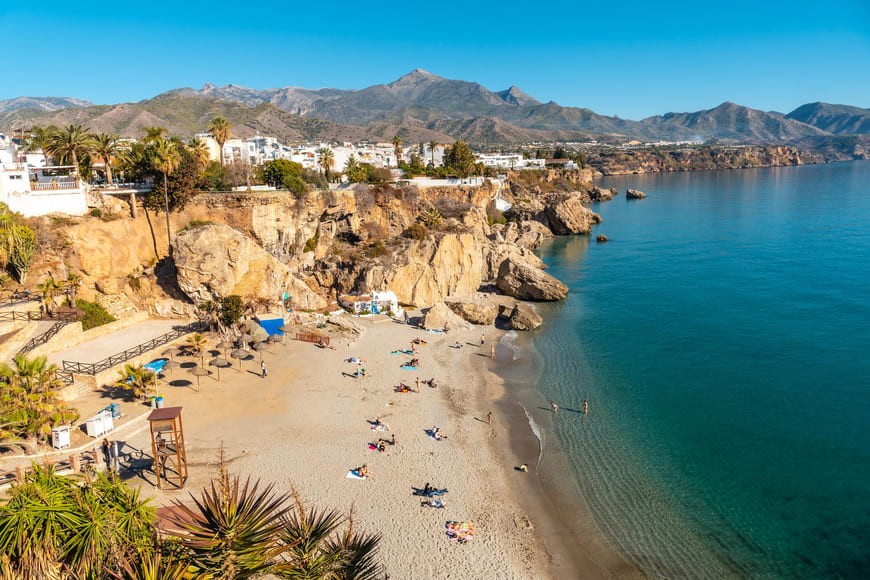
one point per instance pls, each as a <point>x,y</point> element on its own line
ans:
<point>309,422</point>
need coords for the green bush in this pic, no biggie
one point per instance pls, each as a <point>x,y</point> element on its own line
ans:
<point>310,244</point>
<point>95,315</point>
<point>96,212</point>
<point>416,232</point>
<point>196,224</point>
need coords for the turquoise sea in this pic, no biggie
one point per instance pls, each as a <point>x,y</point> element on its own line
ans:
<point>722,339</point>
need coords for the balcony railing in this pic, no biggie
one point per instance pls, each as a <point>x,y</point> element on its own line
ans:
<point>55,186</point>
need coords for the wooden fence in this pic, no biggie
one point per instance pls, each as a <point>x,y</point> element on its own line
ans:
<point>313,337</point>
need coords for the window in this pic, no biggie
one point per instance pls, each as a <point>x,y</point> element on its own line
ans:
<point>14,177</point>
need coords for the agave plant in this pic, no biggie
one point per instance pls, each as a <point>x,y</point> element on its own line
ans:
<point>230,531</point>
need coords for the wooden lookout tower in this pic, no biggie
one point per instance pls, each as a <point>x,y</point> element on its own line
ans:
<point>167,446</point>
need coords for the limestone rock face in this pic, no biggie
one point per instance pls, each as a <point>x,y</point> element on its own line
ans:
<point>475,312</point>
<point>526,234</point>
<point>526,283</point>
<point>439,316</point>
<point>524,317</point>
<point>567,215</point>
<point>601,194</point>
<point>634,194</point>
<point>495,254</point>
<point>447,267</point>
<point>216,260</point>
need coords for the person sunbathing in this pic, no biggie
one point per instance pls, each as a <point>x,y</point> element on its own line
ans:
<point>414,362</point>
<point>363,471</point>
<point>457,345</point>
<point>381,446</point>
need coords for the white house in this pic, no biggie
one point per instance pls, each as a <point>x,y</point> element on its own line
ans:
<point>35,191</point>
<point>374,303</point>
<point>512,161</point>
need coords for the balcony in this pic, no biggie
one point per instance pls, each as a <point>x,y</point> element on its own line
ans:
<point>57,185</point>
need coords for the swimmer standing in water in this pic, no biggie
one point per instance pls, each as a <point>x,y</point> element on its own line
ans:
<point>585,407</point>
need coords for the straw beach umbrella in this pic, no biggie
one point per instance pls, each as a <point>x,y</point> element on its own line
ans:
<point>220,363</point>
<point>171,351</point>
<point>224,345</point>
<point>170,366</point>
<point>260,347</point>
<point>275,338</point>
<point>240,354</point>
<point>285,328</point>
<point>199,372</point>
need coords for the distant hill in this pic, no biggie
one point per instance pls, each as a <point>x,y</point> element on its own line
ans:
<point>421,106</point>
<point>836,119</point>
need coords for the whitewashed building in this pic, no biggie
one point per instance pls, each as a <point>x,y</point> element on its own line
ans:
<point>36,191</point>
<point>513,161</point>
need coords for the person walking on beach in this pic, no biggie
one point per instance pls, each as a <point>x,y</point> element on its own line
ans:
<point>482,340</point>
<point>262,370</point>
<point>585,407</point>
<point>406,317</point>
<point>554,407</point>
<point>489,418</point>
<point>492,352</point>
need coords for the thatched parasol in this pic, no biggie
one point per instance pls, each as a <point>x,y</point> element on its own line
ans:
<point>172,351</point>
<point>260,347</point>
<point>220,363</point>
<point>199,372</point>
<point>224,345</point>
<point>240,354</point>
<point>285,328</point>
<point>273,338</point>
<point>246,338</point>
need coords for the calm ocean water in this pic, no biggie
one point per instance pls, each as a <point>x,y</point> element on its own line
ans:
<point>722,338</point>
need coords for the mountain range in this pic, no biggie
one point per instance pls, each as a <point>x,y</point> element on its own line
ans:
<point>421,106</point>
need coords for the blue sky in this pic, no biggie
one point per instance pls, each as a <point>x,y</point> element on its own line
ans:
<point>631,59</point>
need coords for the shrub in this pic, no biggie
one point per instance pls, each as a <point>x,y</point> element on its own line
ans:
<point>376,249</point>
<point>96,212</point>
<point>196,224</point>
<point>95,315</point>
<point>310,244</point>
<point>416,232</point>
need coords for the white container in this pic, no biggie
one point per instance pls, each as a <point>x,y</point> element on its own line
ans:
<point>60,437</point>
<point>99,424</point>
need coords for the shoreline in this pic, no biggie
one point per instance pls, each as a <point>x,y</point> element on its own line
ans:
<point>575,546</point>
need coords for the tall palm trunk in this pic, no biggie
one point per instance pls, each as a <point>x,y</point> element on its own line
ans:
<point>166,207</point>
<point>75,160</point>
<point>108,172</point>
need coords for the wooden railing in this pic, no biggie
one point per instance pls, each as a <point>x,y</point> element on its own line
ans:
<point>65,377</point>
<point>76,462</point>
<point>34,315</point>
<point>42,338</point>
<point>124,356</point>
<point>313,337</point>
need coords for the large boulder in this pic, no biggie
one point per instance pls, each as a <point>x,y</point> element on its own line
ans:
<point>475,312</point>
<point>495,254</point>
<point>597,193</point>
<point>526,283</point>
<point>634,194</point>
<point>524,317</point>
<point>439,317</point>
<point>217,260</point>
<point>567,215</point>
<point>525,234</point>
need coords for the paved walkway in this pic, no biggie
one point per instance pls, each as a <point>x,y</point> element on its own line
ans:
<point>100,348</point>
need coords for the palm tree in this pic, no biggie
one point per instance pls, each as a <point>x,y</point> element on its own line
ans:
<point>199,149</point>
<point>397,148</point>
<point>154,133</point>
<point>73,281</point>
<point>314,547</point>
<point>165,159</point>
<point>219,128</point>
<point>432,146</point>
<point>69,143</point>
<point>197,342</point>
<point>29,406</point>
<point>135,378</point>
<point>67,527</point>
<point>38,138</point>
<point>48,289</point>
<point>106,146</point>
<point>326,159</point>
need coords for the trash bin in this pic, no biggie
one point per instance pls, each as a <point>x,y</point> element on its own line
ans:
<point>115,409</point>
<point>159,402</point>
<point>153,402</point>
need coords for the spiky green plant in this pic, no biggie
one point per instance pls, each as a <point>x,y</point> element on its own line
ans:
<point>230,532</point>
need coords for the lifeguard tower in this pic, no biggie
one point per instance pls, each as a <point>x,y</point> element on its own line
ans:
<point>167,446</point>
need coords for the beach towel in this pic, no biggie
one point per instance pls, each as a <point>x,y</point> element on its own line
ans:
<point>407,351</point>
<point>409,368</point>
<point>354,474</point>
<point>434,331</point>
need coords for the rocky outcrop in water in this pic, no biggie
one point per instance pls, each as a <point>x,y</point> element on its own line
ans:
<point>634,194</point>
<point>526,283</point>
<point>524,317</point>
<point>601,194</point>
